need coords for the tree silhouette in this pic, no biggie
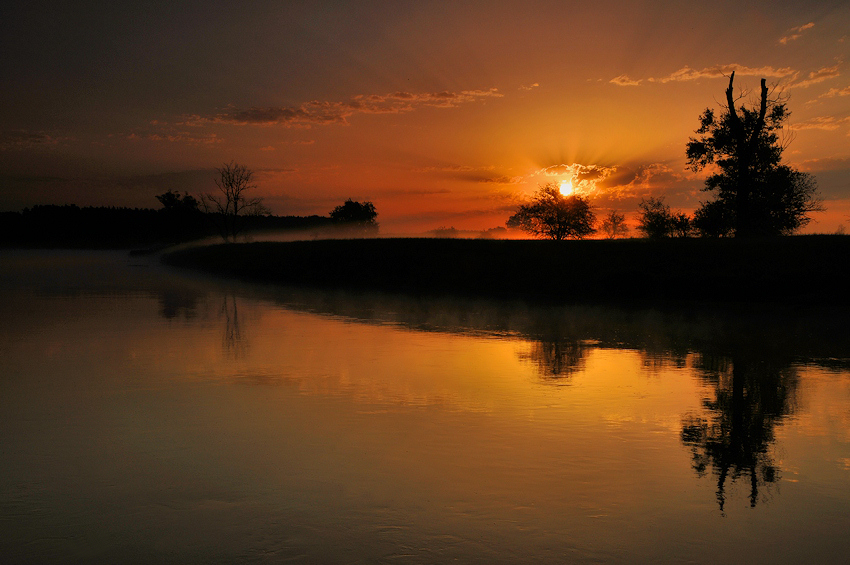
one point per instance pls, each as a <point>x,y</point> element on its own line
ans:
<point>552,215</point>
<point>232,203</point>
<point>755,193</point>
<point>172,202</point>
<point>657,220</point>
<point>357,216</point>
<point>614,225</point>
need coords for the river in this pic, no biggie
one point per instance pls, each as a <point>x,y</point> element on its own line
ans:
<point>150,415</point>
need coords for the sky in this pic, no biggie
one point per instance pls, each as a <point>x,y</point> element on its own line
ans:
<point>443,114</point>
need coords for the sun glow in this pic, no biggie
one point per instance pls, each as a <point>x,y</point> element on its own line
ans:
<point>566,187</point>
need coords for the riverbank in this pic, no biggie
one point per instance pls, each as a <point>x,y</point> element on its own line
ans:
<point>796,270</point>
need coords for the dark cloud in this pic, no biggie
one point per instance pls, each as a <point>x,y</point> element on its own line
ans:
<point>22,139</point>
<point>135,191</point>
<point>318,112</point>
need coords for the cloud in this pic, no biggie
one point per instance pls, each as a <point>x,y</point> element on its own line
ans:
<point>529,87</point>
<point>827,123</point>
<point>817,76</point>
<point>826,164</point>
<point>482,174</point>
<point>833,92</point>
<point>586,179</point>
<point>687,74</point>
<point>177,137</point>
<point>503,180</point>
<point>22,139</point>
<point>319,112</point>
<point>796,33</point>
<point>453,169</point>
<point>624,80</point>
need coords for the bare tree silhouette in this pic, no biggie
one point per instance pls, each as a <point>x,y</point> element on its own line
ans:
<point>228,207</point>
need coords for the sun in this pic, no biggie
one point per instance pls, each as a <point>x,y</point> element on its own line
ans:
<point>566,187</point>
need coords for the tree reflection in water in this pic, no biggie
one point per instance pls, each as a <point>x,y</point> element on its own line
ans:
<point>747,359</point>
<point>734,439</point>
<point>557,359</point>
<point>233,342</point>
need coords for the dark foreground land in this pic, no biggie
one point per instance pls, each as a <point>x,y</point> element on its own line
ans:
<point>800,270</point>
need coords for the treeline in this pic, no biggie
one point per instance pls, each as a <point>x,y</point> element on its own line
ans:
<point>100,227</point>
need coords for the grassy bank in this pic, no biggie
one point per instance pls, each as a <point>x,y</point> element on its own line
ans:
<point>801,270</point>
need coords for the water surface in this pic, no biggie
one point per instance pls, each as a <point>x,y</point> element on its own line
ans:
<point>154,416</point>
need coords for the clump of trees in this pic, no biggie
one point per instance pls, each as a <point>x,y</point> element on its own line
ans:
<point>358,218</point>
<point>658,220</point>
<point>182,218</point>
<point>173,203</point>
<point>552,215</point>
<point>755,194</point>
<point>614,225</point>
<point>231,203</point>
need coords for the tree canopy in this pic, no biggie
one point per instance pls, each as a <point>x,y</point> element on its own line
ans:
<point>356,215</point>
<point>614,225</point>
<point>173,203</point>
<point>657,220</point>
<point>552,215</point>
<point>755,194</point>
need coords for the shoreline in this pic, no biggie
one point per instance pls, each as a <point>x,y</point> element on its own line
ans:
<point>796,270</point>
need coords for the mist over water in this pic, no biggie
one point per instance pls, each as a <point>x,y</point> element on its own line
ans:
<point>155,416</point>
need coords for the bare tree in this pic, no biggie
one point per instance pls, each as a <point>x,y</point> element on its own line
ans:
<point>231,203</point>
<point>614,225</point>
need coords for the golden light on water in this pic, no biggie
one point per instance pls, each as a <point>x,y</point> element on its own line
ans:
<point>566,187</point>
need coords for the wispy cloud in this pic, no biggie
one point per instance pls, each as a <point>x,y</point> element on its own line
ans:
<point>23,139</point>
<point>687,74</point>
<point>817,76</point>
<point>833,92</point>
<point>480,174</point>
<point>503,180</point>
<point>529,86</point>
<point>792,78</point>
<point>624,80</point>
<point>177,137</point>
<point>319,112</point>
<point>796,32</point>
<point>827,123</point>
<point>453,169</point>
<point>826,164</point>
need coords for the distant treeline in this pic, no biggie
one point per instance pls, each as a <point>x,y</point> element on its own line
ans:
<point>100,227</point>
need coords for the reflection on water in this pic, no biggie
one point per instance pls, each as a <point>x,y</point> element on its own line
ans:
<point>752,393</point>
<point>178,302</point>
<point>556,360</point>
<point>235,345</point>
<point>154,416</point>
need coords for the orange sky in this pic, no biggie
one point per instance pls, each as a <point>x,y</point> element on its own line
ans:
<point>442,115</point>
